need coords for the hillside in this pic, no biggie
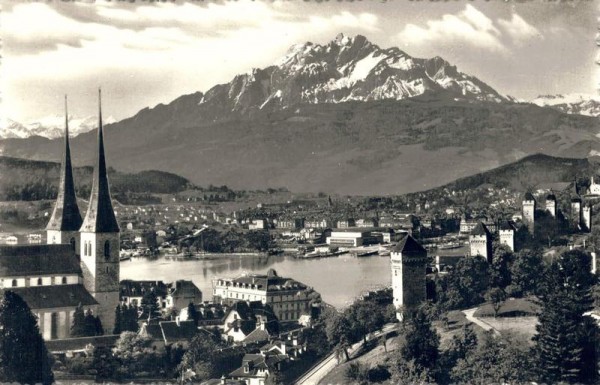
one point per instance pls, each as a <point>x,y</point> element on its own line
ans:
<point>310,123</point>
<point>27,180</point>
<point>529,172</point>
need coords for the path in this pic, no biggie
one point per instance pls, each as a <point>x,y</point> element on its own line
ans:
<point>485,326</point>
<point>320,370</point>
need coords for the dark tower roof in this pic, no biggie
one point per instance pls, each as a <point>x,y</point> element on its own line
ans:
<point>529,197</point>
<point>100,217</point>
<point>551,197</point>
<point>66,216</point>
<point>506,225</point>
<point>408,245</point>
<point>480,229</point>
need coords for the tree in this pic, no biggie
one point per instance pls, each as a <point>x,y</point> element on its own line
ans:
<point>338,332</point>
<point>193,314</point>
<point>118,320</point>
<point>365,317</point>
<point>92,325</point>
<point>526,272</point>
<point>199,356</point>
<point>78,325</point>
<point>496,297</point>
<point>23,354</point>
<point>130,318</point>
<point>421,340</point>
<point>500,268</point>
<point>465,285</point>
<point>563,348</point>
<point>137,356</point>
<point>496,360</point>
<point>150,304</point>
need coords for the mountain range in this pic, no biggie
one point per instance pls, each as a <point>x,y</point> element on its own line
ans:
<point>50,127</point>
<point>347,117</point>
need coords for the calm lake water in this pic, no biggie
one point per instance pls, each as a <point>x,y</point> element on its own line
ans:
<point>339,279</point>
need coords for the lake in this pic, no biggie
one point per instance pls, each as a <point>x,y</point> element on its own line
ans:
<point>339,279</point>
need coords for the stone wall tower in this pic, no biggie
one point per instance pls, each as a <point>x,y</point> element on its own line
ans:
<point>506,231</point>
<point>586,218</point>
<point>551,204</point>
<point>65,221</point>
<point>576,212</point>
<point>480,242</point>
<point>100,240</point>
<point>529,211</point>
<point>409,260</point>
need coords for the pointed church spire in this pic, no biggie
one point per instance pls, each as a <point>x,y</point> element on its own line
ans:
<point>66,216</point>
<point>100,217</point>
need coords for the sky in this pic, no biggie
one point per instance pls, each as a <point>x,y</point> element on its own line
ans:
<point>144,53</point>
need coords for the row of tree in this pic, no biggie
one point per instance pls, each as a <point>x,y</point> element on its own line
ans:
<point>564,349</point>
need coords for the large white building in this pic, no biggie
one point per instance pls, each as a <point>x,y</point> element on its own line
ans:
<point>288,298</point>
<point>408,262</point>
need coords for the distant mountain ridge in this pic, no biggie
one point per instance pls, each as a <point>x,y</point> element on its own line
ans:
<point>347,117</point>
<point>50,127</point>
<point>581,104</point>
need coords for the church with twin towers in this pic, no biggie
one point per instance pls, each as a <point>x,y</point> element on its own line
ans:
<point>79,264</point>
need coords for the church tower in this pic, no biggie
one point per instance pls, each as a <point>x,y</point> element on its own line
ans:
<point>100,240</point>
<point>65,221</point>
<point>409,262</point>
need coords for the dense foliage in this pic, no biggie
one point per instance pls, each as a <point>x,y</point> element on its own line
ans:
<point>23,355</point>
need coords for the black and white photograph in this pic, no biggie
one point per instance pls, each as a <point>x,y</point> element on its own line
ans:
<point>291,192</point>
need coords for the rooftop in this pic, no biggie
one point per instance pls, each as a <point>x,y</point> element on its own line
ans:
<point>47,297</point>
<point>26,260</point>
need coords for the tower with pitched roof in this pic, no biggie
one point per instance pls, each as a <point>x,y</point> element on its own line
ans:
<point>409,263</point>
<point>506,232</point>
<point>100,239</point>
<point>529,211</point>
<point>65,221</point>
<point>551,204</point>
<point>480,242</point>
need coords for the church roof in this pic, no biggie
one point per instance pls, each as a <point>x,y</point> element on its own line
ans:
<point>100,217</point>
<point>49,297</point>
<point>480,229</point>
<point>27,260</point>
<point>408,245</point>
<point>65,216</point>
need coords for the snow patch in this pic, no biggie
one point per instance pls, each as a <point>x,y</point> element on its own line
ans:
<point>363,67</point>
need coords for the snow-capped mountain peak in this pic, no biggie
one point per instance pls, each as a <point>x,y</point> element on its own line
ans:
<point>50,127</point>
<point>574,103</point>
<point>347,68</point>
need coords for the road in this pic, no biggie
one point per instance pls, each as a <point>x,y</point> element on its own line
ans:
<point>485,326</point>
<point>326,365</point>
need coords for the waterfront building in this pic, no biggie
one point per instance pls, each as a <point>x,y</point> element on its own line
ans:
<point>288,298</point>
<point>351,238</point>
<point>408,262</point>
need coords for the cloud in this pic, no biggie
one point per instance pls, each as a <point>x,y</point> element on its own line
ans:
<point>469,26</point>
<point>518,29</point>
<point>188,46</point>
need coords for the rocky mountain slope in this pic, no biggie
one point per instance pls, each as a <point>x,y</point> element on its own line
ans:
<point>346,117</point>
